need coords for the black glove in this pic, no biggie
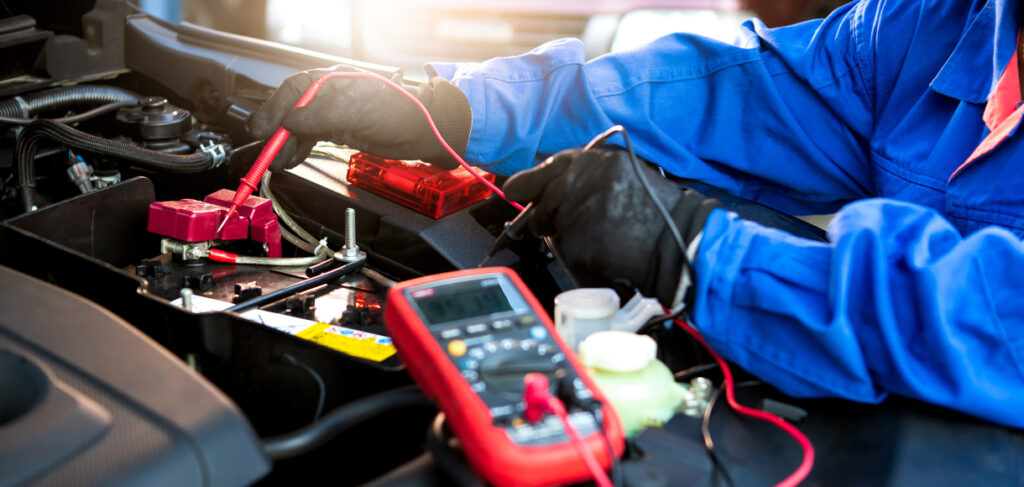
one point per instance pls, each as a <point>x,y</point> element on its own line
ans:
<point>604,223</point>
<point>365,114</point>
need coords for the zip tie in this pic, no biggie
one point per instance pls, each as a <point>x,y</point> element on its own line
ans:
<point>322,245</point>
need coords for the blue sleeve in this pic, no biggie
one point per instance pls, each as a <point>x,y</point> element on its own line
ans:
<point>782,116</point>
<point>899,302</point>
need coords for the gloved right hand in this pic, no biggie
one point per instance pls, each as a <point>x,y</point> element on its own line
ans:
<point>367,115</point>
<point>605,225</point>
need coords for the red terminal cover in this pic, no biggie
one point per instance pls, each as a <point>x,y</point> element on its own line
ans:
<point>196,221</point>
<point>263,224</point>
<point>427,189</point>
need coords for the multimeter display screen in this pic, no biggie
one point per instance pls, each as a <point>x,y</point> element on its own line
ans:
<point>466,303</point>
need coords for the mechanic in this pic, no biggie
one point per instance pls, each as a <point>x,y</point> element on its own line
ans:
<point>920,291</point>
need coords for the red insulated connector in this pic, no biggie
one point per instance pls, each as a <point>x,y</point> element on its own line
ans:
<point>222,256</point>
<point>537,396</point>
<point>539,401</point>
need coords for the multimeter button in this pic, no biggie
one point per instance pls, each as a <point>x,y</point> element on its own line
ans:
<point>478,387</point>
<point>470,374</point>
<point>503,415</point>
<point>527,321</point>
<point>457,348</point>
<point>558,357</point>
<point>470,364</point>
<point>501,324</point>
<point>508,344</point>
<point>477,329</point>
<point>538,332</point>
<point>451,333</point>
<point>526,345</point>
<point>491,347</point>
<point>543,349</point>
<point>477,353</point>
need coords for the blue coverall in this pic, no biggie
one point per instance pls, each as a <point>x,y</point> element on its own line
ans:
<point>921,290</point>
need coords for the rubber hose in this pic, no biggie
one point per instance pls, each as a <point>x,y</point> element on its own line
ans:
<point>28,145</point>
<point>63,98</point>
<point>310,437</point>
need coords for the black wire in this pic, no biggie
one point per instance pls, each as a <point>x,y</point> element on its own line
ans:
<point>705,427</point>
<point>109,107</point>
<point>669,221</point>
<point>310,437</point>
<point>600,140</point>
<point>686,374</point>
<point>319,384</point>
<point>709,444</point>
<point>650,325</point>
<point>616,467</point>
<point>246,147</point>
<point>676,235</point>
<point>447,456</point>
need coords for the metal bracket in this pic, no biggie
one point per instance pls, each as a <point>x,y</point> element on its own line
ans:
<point>217,153</point>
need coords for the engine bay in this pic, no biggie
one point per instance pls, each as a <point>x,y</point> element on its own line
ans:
<point>94,157</point>
<point>124,137</point>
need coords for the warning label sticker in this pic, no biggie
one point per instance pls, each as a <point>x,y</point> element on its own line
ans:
<point>369,346</point>
<point>352,342</point>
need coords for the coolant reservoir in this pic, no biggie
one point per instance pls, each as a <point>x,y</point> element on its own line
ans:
<point>640,387</point>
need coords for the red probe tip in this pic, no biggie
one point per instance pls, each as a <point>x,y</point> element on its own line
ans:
<point>231,210</point>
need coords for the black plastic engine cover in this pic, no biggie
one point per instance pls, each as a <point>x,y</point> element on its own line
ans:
<point>84,415</point>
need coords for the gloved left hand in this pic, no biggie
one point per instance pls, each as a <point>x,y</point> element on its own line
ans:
<point>365,114</point>
<point>604,223</point>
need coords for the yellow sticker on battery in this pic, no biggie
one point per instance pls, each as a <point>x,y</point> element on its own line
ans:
<point>356,343</point>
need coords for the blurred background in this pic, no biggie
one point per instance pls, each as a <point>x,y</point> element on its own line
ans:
<point>408,33</point>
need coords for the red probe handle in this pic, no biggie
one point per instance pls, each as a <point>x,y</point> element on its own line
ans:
<point>252,179</point>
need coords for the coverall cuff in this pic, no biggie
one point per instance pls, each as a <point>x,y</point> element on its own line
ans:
<point>761,302</point>
<point>723,246</point>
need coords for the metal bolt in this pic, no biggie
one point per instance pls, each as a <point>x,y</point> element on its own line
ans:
<point>350,252</point>
<point>691,407</point>
<point>186,299</point>
<point>701,387</point>
<point>194,253</point>
<point>350,232</point>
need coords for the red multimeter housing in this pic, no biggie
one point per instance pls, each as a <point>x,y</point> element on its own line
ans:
<point>468,338</point>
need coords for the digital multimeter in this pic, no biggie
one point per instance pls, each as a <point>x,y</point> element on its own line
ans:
<point>468,338</point>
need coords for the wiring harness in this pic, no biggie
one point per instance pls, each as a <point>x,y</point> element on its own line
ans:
<point>63,134</point>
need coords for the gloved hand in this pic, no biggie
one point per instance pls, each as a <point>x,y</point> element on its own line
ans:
<point>605,225</point>
<point>367,115</point>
